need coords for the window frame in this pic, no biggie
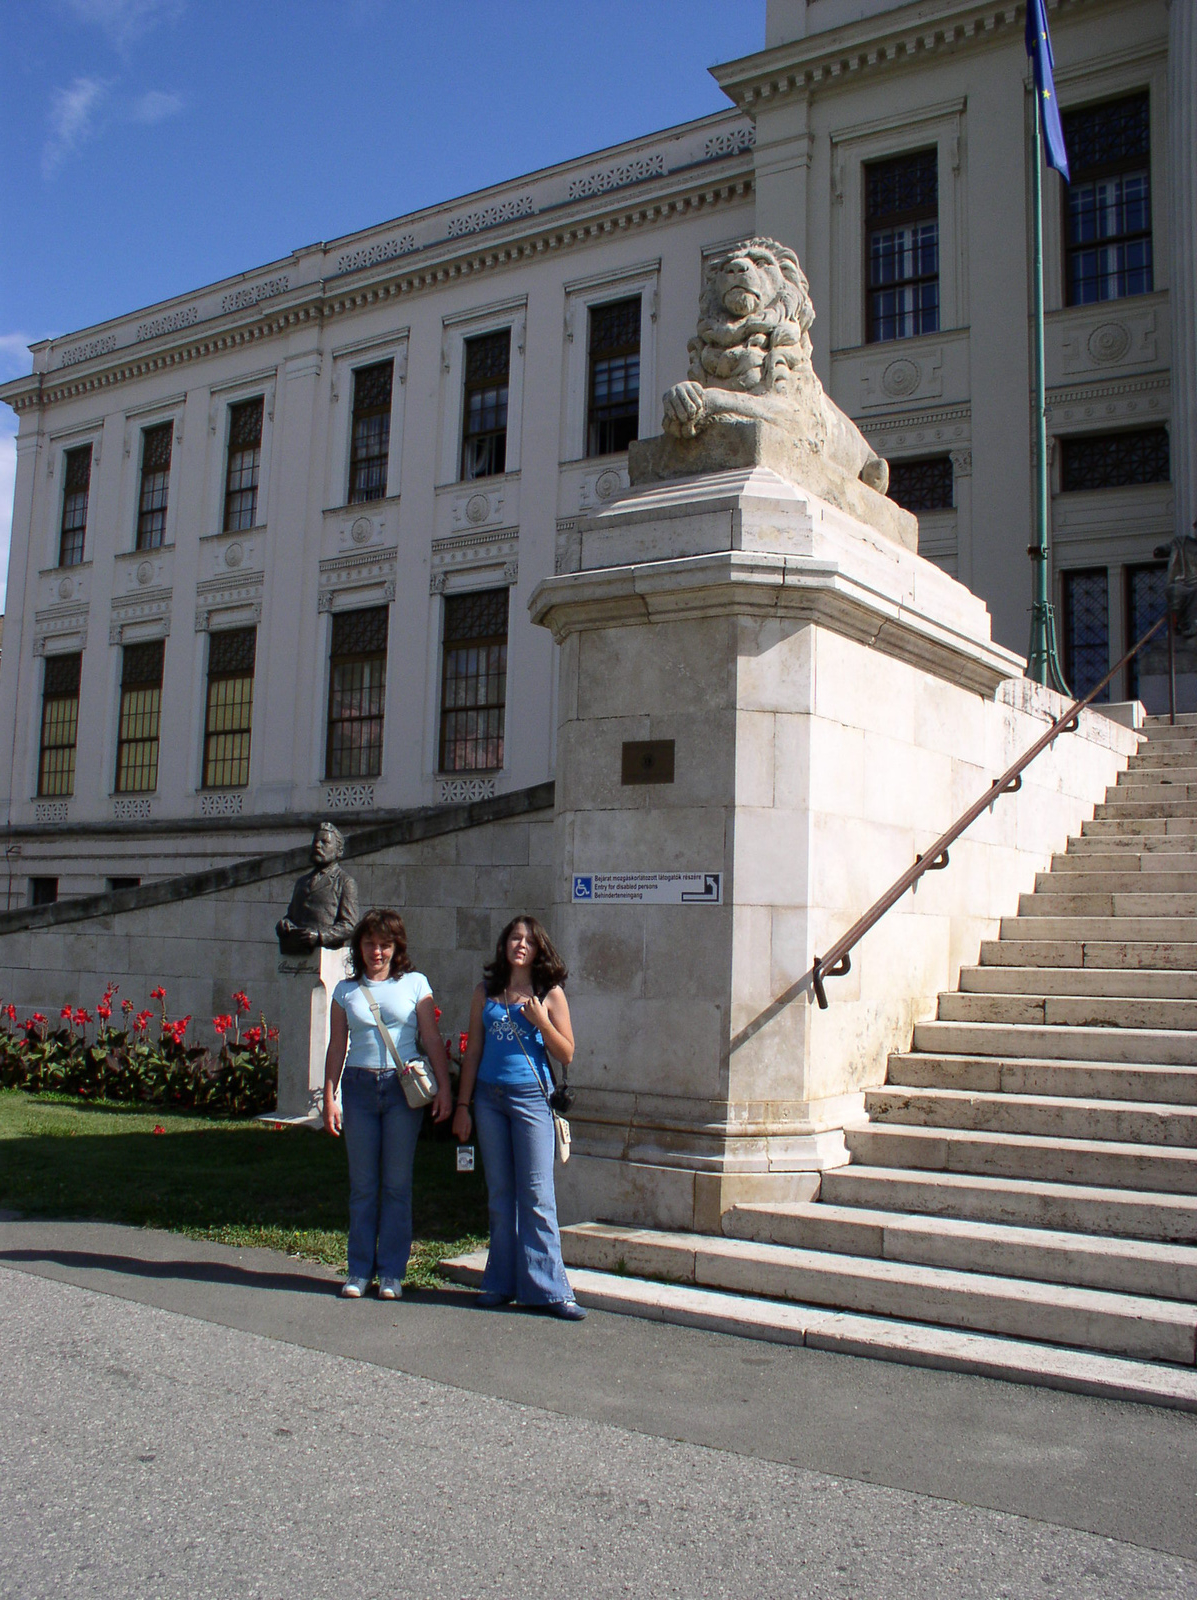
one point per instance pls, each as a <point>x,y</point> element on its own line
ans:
<point>164,429</point>
<point>348,658</point>
<point>889,221</point>
<point>1067,443</point>
<point>232,406</point>
<point>152,711</point>
<point>74,452</point>
<point>384,411</point>
<point>211,734</point>
<point>482,385</point>
<point>1096,171</point>
<point>940,459</point>
<point>629,410</point>
<point>450,642</point>
<point>50,697</point>
<point>456,328</point>
<point>1068,646</point>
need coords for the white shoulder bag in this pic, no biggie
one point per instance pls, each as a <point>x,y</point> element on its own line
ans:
<point>415,1076</point>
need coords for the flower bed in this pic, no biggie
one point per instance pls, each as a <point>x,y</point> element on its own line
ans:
<point>145,1056</point>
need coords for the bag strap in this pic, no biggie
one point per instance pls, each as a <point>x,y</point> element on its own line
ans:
<point>392,1051</point>
<point>535,1069</point>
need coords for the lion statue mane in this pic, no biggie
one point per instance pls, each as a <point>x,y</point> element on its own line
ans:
<point>751,360</point>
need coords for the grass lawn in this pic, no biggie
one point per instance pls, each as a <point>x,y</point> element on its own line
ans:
<point>239,1183</point>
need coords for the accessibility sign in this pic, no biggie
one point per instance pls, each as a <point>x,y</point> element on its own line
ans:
<point>648,888</point>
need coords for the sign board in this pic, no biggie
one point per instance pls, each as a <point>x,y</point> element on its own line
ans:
<point>648,888</point>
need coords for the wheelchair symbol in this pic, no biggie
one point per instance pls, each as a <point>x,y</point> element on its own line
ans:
<point>583,888</point>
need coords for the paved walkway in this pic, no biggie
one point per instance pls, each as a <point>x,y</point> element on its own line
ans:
<point>185,1420</point>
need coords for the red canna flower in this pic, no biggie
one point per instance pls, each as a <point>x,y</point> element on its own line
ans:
<point>437,1012</point>
<point>158,1128</point>
<point>222,1024</point>
<point>10,1011</point>
<point>463,1040</point>
<point>126,1006</point>
<point>158,994</point>
<point>67,1013</point>
<point>253,1037</point>
<point>272,1033</point>
<point>241,1000</point>
<point>142,1021</point>
<point>82,1017</point>
<point>34,1019</point>
<point>103,1011</point>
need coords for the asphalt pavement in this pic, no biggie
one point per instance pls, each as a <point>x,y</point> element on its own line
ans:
<point>182,1419</point>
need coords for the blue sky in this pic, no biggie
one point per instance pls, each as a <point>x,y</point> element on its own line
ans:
<point>150,146</point>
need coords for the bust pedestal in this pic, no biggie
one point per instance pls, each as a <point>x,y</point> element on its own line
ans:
<point>305,987</point>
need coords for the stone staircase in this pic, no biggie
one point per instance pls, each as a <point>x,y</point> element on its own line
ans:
<point>1023,1197</point>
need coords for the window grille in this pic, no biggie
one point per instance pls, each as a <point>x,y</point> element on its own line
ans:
<point>474,681</point>
<point>1145,604</point>
<point>484,423</point>
<point>245,456</point>
<point>922,485</point>
<point>155,483</point>
<point>371,444</point>
<point>613,385</point>
<point>229,714</point>
<point>76,483</point>
<point>1108,252</point>
<point>1086,631</point>
<point>902,228</point>
<point>1113,460</point>
<point>356,693</point>
<point>60,725</point>
<point>140,718</point>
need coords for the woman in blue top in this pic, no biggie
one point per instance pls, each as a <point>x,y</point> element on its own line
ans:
<point>380,1127</point>
<point>517,1011</point>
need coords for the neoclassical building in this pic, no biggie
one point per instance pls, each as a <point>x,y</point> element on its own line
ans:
<point>273,540</point>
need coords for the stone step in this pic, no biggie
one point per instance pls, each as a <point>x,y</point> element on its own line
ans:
<point>1069,1011</point>
<point>1124,1266</point>
<point>1077,1080</point>
<point>1173,771</point>
<point>1094,1319</point>
<point>1170,783</point>
<point>879,1338</point>
<point>1067,901</point>
<point>1131,843</point>
<point>1119,878</point>
<point>1048,1116</point>
<point>1175,869</point>
<point>1022,1202</point>
<point>1163,955</point>
<point>1163,1047</point>
<point>1119,804</point>
<point>1163,757</point>
<point>1101,827</point>
<point>1141,929</point>
<point>1117,981</point>
<point>1095,1163</point>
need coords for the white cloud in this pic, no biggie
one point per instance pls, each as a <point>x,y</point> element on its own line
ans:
<point>73,114</point>
<point>155,106</point>
<point>126,20</point>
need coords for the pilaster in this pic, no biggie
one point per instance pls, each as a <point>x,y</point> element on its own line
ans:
<point>1182,206</point>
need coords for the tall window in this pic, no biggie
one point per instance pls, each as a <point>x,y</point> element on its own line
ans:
<point>76,482</point>
<point>356,693</point>
<point>140,719</point>
<point>1086,631</point>
<point>924,485</point>
<point>60,725</point>
<point>1113,460</point>
<point>245,459</point>
<point>474,681</point>
<point>229,713</point>
<point>1108,232</point>
<point>155,481</point>
<point>1145,604</point>
<point>371,432</point>
<point>613,386</point>
<point>484,422</point>
<point>902,241</point>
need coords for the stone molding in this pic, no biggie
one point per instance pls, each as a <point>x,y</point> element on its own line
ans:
<point>493,554</point>
<point>461,791</point>
<point>241,594</point>
<point>761,583</point>
<point>149,609</point>
<point>368,576</point>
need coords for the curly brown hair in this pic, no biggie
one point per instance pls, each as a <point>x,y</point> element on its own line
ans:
<point>388,927</point>
<point>548,969</point>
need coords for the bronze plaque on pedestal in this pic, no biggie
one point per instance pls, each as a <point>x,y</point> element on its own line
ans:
<point>647,761</point>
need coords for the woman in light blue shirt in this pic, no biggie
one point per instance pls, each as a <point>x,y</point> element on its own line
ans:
<point>380,1127</point>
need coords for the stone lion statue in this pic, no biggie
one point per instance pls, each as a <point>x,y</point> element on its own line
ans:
<point>751,359</point>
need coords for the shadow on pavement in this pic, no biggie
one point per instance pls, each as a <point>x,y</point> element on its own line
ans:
<point>197,1271</point>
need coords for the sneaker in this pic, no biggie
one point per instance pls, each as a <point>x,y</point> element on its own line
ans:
<point>390,1289</point>
<point>354,1288</point>
<point>567,1310</point>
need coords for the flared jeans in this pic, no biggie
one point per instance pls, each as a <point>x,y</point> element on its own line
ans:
<point>515,1134</point>
<point>380,1131</point>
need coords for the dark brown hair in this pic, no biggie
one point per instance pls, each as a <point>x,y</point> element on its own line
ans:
<point>388,928</point>
<point>548,969</point>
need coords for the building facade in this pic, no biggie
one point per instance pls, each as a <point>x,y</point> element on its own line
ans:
<point>273,541</point>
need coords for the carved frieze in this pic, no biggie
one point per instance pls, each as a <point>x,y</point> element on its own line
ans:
<point>462,791</point>
<point>494,556</point>
<point>361,579</point>
<point>61,627</point>
<point>1114,335</point>
<point>146,612</point>
<point>233,597</point>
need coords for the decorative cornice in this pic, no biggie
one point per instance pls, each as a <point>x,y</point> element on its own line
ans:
<point>443,262</point>
<point>907,38</point>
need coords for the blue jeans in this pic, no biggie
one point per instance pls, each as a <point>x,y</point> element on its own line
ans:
<point>380,1131</point>
<point>515,1133</point>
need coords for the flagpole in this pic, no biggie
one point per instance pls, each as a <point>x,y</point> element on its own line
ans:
<point>1043,664</point>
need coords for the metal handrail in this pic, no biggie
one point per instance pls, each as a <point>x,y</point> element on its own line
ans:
<point>837,963</point>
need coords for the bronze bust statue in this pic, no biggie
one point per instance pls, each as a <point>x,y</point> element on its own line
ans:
<point>323,909</point>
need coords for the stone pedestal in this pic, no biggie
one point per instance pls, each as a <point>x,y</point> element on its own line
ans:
<point>305,989</point>
<point>823,703</point>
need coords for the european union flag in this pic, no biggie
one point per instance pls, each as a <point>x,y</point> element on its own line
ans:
<point>1039,48</point>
